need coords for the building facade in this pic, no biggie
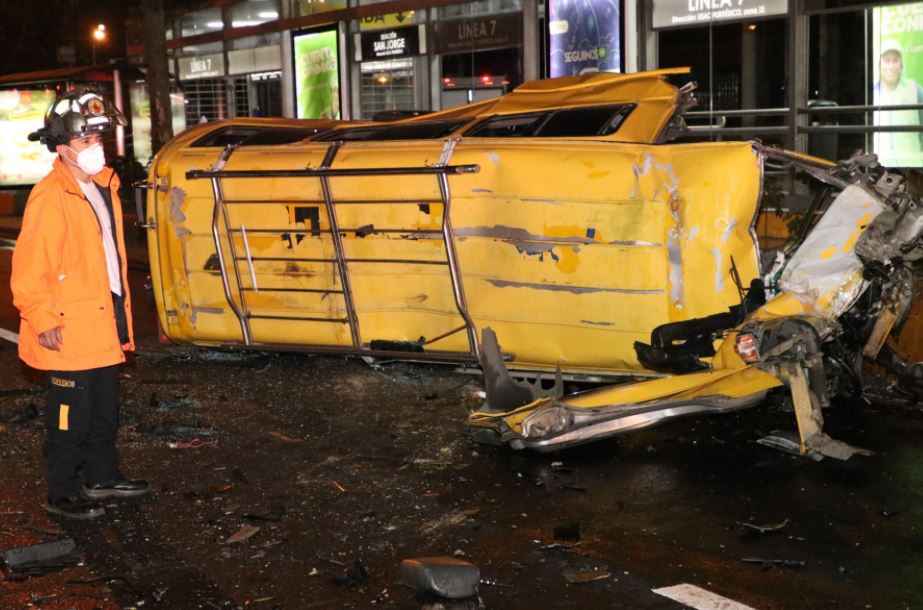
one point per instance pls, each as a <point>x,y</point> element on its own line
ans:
<point>799,73</point>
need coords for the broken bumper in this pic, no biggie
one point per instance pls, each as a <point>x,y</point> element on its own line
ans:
<point>551,424</point>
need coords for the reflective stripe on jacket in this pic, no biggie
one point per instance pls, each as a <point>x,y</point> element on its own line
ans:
<point>60,277</point>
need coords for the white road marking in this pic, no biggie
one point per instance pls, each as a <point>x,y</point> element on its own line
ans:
<point>700,599</point>
<point>9,336</point>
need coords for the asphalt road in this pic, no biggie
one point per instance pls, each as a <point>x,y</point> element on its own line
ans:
<point>344,470</point>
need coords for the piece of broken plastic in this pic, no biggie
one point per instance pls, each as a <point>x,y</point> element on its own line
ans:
<point>37,558</point>
<point>446,577</point>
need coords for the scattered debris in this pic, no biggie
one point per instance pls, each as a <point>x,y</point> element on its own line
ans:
<point>195,443</point>
<point>569,532</point>
<point>26,414</point>
<point>884,512</point>
<point>351,576</point>
<point>787,445</point>
<point>35,559</point>
<point>275,513</point>
<point>177,403</point>
<point>775,563</point>
<point>338,486</point>
<point>20,391</point>
<point>761,529</point>
<point>244,533</point>
<point>575,575</point>
<point>446,577</point>
<point>696,597</point>
<point>284,438</point>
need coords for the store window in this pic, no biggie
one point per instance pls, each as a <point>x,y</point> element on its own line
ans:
<point>481,7</point>
<point>480,49</point>
<point>738,66</point>
<point>310,7</point>
<point>393,67</point>
<point>253,12</point>
<point>256,61</point>
<point>201,22</point>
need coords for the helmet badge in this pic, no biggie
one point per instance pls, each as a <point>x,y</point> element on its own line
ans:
<point>96,107</point>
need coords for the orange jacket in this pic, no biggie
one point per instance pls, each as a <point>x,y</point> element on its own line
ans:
<point>60,277</point>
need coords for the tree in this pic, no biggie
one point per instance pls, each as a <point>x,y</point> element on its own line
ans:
<point>158,74</point>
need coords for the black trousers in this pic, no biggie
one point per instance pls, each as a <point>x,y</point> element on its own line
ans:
<point>81,418</point>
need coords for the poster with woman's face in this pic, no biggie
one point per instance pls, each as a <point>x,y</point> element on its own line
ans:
<point>897,74</point>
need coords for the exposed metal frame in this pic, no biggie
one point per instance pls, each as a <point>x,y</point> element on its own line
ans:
<point>441,170</point>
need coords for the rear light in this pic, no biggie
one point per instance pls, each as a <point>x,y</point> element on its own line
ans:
<point>746,348</point>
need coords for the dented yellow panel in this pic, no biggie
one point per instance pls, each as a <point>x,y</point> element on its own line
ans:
<point>569,250</point>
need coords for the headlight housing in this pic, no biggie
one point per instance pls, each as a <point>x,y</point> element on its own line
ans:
<point>747,348</point>
<point>547,421</point>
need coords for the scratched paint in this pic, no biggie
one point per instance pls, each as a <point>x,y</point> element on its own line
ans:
<point>675,253</point>
<point>196,310</point>
<point>728,230</point>
<point>571,289</point>
<point>719,271</point>
<point>517,235</point>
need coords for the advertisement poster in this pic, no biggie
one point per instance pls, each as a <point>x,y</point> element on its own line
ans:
<point>584,36</point>
<point>317,75</point>
<point>897,51</point>
<point>141,119</point>
<point>21,113</point>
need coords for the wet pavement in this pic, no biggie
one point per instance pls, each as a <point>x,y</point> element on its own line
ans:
<point>291,481</point>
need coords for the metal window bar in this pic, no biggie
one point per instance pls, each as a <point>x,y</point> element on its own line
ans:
<point>324,173</point>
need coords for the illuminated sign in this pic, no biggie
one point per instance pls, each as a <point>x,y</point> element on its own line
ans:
<point>317,74</point>
<point>584,36</point>
<point>471,33</point>
<point>673,13</point>
<point>21,113</point>
<point>203,66</point>
<point>390,20</point>
<point>389,44</point>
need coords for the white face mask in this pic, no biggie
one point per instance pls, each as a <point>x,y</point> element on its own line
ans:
<point>91,160</point>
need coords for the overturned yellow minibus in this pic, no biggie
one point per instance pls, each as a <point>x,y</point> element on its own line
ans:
<point>556,215</point>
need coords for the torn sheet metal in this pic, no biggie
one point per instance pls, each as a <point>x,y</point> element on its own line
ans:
<point>791,340</point>
<point>824,274</point>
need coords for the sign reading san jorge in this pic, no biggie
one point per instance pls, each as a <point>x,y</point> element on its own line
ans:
<point>673,13</point>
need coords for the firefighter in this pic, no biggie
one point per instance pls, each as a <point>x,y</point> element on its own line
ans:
<point>70,285</point>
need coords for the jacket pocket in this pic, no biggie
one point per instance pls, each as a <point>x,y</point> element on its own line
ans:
<point>88,328</point>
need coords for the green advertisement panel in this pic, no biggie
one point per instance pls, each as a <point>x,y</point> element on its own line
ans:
<point>897,70</point>
<point>22,112</point>
<point>317,75</point>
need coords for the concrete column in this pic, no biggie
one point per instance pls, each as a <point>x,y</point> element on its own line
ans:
<point>288,76</point>
<point>531,62</point>
<point>748,75</point>
<point>634,31</point>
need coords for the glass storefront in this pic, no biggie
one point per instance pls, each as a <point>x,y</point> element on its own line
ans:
<point>826,77</point>
<point>480,48</point>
